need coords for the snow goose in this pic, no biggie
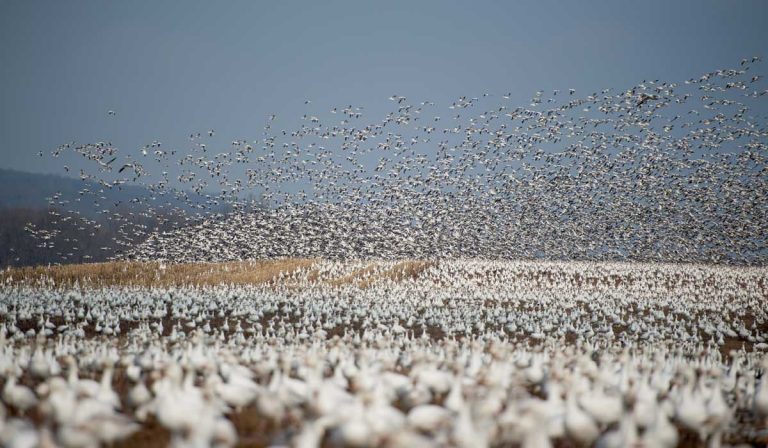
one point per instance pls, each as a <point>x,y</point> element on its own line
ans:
<point>428,417</point>
<point>579,425</point>
<point>761,393</point>
<point>19,396</point>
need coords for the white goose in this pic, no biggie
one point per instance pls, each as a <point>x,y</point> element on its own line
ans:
<point>579,425</point>
<point>761,393</point>
<point>19,396</point>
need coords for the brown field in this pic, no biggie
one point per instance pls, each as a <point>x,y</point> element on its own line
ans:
<point>370,274</point>
<point>155,274</point>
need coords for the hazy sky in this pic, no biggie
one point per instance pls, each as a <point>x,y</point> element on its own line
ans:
<point>171,68</point>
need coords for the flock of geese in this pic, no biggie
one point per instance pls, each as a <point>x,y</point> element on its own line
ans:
<point>463,353</point>
<point>660,171</point>
<point>634,344</point>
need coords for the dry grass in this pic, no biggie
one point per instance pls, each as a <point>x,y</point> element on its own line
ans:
<point>369,275</point>
<point>405,270</point>
<point>154,274</point>
<point>353,277</point>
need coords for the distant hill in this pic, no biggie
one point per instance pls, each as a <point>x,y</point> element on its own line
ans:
<point>38,201</point>
<point>105,223</point>
<point>19,189</point>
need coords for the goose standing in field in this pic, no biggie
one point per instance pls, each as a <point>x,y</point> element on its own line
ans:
<point>579,425</point>
<point>761,393</point>
<point>19,396</point>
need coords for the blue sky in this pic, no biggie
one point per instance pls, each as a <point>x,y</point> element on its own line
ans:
<point>172,68</point>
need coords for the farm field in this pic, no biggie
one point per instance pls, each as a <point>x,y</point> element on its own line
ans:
<point>383,225</point>
<point>307,352</point>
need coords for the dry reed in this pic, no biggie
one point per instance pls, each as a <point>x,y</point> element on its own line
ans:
<point>155,274</point>
<point>369,275</point>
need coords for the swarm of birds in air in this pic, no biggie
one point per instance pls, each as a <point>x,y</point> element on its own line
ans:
<point>661,171</point>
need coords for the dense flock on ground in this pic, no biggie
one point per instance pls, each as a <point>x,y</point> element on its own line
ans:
<point>413,354</point>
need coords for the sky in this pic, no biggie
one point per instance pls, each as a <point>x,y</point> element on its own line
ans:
<point>168,69</point>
